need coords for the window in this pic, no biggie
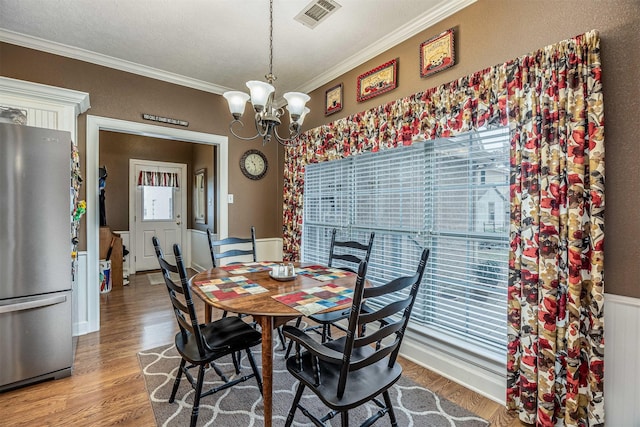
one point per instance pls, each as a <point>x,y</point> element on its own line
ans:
<point>157,203</point>
<point>450,195</point>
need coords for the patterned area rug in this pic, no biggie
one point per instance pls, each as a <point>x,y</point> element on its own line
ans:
<point>241,405</point>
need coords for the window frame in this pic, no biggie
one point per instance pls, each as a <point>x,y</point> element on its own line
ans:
<point>425,232</point>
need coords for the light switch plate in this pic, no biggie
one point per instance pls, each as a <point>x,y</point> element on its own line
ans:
<point>230,198</point>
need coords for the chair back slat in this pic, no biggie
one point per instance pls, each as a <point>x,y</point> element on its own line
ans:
<point>234,252</point>
<point>380,354</point>
<point>379,334</point>
<point>357,319</point>
<point>249,247</point>
<point>386,311</point>
<point>164,265</point>
<point>339,250</point>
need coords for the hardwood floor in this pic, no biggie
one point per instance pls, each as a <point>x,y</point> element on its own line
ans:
<point>107,387</point>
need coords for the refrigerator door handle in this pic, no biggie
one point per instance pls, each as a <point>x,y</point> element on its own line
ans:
<point>10,308</point>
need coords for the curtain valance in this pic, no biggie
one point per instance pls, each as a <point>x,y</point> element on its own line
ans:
<point>158,179</point>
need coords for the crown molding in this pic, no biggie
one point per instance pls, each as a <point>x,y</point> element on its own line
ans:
<point>419,24</point>
<point>106,61</point>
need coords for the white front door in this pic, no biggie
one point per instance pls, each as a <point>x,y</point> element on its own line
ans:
<point>158,211</point>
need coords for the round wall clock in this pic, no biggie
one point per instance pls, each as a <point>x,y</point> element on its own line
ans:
<point>253,164</point>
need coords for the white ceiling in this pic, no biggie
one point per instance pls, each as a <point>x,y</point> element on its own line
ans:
<point>217,45</point>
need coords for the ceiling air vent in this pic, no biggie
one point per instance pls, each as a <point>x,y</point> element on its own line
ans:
<point>316,12</point>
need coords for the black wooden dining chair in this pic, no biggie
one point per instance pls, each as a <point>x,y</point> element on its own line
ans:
<point>349,254</point>
<point>200,345</point>
<point>359,367</point>
<point>242,246</point>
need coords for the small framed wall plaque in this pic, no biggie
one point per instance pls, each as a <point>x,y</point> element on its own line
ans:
<point>333,100</point>
<point>378,81</point>
<point>437,53</point>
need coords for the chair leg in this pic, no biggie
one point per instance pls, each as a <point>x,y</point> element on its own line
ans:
<point>294,405</point>
<point>235,357</point>
<point>326,332</point>
<point>344,418</point>
<point>254,367</point>
<point>286,355</point>
<point>176,383</point>
<point>196,397</point>
<point>392,415</point>
<point>282,339</point>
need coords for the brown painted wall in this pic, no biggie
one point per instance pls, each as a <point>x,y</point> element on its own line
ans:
<point>491,32</point>
<point>488,32</point>
<point>126,96</point>
<point>116,149</point>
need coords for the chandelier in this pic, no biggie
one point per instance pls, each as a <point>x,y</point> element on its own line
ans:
<point>262,96</point>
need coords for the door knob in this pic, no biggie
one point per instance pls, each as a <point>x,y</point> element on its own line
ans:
<point>178,223</point>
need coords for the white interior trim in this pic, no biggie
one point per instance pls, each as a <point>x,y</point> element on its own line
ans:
<point>45,93</point>
<point>94,125</point>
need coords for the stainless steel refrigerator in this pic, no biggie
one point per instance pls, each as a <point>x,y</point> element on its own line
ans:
<point>35,255</point>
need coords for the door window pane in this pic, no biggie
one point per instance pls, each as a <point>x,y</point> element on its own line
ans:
<point>157,203</point>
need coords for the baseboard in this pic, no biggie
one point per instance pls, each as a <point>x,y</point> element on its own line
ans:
<point>198,267</point>
<point>81,328</point>
<point>473,377</point>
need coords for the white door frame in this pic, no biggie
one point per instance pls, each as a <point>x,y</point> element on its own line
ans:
<point>133,205</point>
<point>94,125</point>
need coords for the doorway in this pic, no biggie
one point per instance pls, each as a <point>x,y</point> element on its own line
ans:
<point>156,210</point>
<point>93,127</point>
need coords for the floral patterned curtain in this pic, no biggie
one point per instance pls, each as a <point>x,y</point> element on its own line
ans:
<point>555,302</point>
<point>472,102</point>
<point>555,298</point>
<point>158,179</point>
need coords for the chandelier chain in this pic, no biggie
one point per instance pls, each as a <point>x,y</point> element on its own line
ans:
<point>270,76</point>
<point>267,112</point>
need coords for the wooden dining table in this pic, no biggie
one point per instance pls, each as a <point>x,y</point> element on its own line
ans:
<point>265,310</point>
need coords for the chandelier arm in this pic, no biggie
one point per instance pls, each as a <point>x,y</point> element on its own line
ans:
<point>242,137</point>
<point>262,126</point>
<point>287,142</point>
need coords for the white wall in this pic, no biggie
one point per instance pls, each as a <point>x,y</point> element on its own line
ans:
<point>622,361</point>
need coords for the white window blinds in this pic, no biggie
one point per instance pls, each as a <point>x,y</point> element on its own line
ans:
<point>449,195</point>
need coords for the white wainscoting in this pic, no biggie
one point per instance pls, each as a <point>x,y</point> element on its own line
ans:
<point>268,249</point>
<point>622,361</point>
<point>80,314</point>
<point>200,257</point>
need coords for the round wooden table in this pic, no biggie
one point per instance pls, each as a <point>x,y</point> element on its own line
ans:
<point>265,310</point>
